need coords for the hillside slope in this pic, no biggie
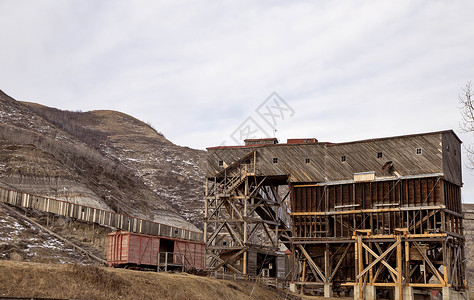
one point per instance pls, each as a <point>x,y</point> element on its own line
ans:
<point>174,173</point>
<point>64,159</point>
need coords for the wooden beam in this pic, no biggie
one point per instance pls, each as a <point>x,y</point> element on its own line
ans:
<point>360,265</point>
<point>339,262</point>
<point>427,285</point>
<point>399,268</point>
<point>222,262</point>
<point>432,267</point>
<point>379,258</point>
<point>303,273</point>
<point>382,260</point>
<point>454,266</point>
<point>234,235</point>
<point>369,210</point>
<point>214,234</point>
<point>312,263</point>
<point>423,220</point>
<point>380,251</point>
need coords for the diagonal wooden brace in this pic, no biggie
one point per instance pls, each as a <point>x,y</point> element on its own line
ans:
<point>228,261</point>
<point>312,264</point>
<point>383,261</point>
<point>378,259</point>
<point>340,262</point>
<point>214,234</point>
<point>430,264</point>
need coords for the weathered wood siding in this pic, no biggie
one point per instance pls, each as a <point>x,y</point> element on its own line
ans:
<point>369,195</point>
<point>401,151</point>
<point>291,159</point>
<point>252,263</point>
<point>323,162</point>
<point>416,204</point>
<point>452,168</point>
<point>281,267</point>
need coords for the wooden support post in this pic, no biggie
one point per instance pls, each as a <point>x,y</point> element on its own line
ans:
<point>360,265</point>
<point>407,262</point>
<point>245,256</point>
<point>303,273</point>
<point>326,263</point>
<point>294,271</point>
<point>399,268</point>
<point>445,257</point>
<point>369,261</point>
<point>206,208</point>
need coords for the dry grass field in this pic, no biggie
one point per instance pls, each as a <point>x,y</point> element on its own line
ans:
<point>68,281</point>
<point>63,281</point>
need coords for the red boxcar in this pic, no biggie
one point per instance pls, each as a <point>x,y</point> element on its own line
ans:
<point>133,249</point>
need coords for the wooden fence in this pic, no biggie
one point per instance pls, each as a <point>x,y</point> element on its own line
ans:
<point>96,215</point>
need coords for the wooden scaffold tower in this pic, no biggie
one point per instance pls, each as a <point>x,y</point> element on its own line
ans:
<point>245,220</point>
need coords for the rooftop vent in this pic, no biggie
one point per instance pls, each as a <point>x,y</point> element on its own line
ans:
<point>302,141</point>
<point>266,141</point>
<point>364,176</point>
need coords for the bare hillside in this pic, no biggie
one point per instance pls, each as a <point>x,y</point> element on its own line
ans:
<point>56,156</point>
<point>174,173</point>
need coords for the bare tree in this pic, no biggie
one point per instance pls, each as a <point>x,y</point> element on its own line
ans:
<point>466,99</point>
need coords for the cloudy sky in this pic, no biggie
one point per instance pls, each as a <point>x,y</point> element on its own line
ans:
<point>202,72</point>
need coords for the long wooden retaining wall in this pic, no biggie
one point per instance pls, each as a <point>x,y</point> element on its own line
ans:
<point>96,215</point>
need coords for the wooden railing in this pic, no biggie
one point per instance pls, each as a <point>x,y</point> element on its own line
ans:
<point>96,215</point>
<point>270,281</point>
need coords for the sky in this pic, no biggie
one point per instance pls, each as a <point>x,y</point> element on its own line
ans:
<point>208,73</point>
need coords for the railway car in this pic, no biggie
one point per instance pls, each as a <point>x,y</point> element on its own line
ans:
<point>133,250</point>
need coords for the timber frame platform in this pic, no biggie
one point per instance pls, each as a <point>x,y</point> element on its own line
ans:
<point>372,218</point>
<point>247,219</point>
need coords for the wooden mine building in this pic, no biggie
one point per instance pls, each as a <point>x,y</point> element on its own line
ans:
<point>373,217</point>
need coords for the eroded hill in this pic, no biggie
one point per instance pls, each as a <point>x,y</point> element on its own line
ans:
<point>103,159</point>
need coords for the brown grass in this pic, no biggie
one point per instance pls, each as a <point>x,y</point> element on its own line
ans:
<point>25,279</point>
